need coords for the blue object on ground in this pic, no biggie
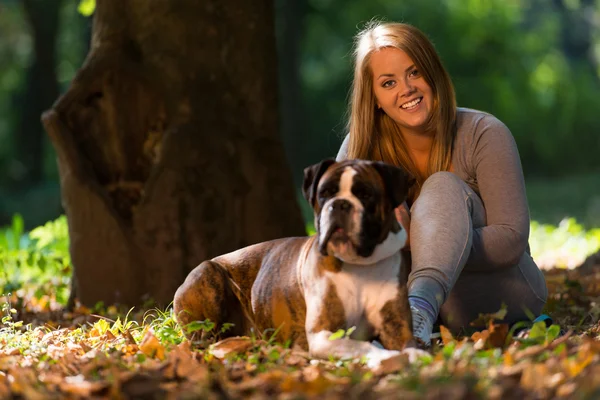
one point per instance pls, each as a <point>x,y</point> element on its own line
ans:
<point>544,318</point>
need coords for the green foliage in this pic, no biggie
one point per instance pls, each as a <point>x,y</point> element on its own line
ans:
<point>38,260</point>
<point>86,7</point>
<point>566,245</point>
<point>16,57</point>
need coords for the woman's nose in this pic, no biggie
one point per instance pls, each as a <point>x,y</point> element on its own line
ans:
<point>405,88</point>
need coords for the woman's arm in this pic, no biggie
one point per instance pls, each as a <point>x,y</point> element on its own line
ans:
<point>499,175</point>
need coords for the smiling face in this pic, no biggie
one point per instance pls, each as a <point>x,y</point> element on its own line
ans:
<point>401,90</point>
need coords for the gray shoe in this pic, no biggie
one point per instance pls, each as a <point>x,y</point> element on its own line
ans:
<point>422,327</point>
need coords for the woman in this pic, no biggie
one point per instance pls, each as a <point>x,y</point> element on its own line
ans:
<point>469,220</point>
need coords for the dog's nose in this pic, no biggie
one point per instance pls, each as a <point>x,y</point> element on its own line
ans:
<point>340,205</point>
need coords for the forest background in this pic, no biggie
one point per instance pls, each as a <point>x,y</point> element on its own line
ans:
<point>534,64</point>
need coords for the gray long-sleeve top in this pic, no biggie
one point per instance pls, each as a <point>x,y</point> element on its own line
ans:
<point>485,156</point>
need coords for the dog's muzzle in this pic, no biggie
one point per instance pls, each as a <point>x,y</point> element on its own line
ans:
<point>340,208</point>
<point>339,224</point>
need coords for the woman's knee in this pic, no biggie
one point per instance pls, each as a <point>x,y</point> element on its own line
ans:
<point>441,188</point>
<point>444,182</point>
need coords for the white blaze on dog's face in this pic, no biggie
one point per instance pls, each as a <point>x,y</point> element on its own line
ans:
<point>354,205</point>
<point>345,211</point>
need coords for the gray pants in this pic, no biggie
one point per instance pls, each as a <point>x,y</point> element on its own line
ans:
<point>442,221</point>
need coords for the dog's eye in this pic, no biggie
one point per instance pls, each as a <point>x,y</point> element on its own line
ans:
<point>325,193</point>
<point>362,194</point>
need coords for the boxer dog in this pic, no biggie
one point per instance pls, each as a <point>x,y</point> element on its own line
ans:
<point>350,274</point>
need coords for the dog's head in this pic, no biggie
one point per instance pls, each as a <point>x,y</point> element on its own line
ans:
<point>354,202</point>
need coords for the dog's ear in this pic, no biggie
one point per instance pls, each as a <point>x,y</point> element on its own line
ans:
<point>312,175</point>
<point>397,181</point>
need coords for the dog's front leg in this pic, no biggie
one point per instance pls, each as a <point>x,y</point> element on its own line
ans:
<point>324,315</point>
<point>321,346</point>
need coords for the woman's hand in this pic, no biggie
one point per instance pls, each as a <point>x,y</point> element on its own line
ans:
<point>403,216</point>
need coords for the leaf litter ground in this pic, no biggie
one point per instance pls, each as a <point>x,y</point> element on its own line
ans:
<point>47,353</point>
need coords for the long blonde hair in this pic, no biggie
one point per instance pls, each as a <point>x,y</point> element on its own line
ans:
<point>373,134</point>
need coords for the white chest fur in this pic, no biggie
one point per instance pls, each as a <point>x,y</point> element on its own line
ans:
<point>365,289</point>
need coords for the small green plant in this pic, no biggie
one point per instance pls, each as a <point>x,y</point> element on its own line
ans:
<point>8,317</point>
<point>342,334</point>
<point>540,334</point>
<point>165,325</point>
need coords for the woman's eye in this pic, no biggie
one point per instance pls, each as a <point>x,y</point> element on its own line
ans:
<point>414,73</point>
<point>388,84</point>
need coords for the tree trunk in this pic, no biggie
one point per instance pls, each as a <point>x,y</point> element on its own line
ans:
<point>577,33</point>
<point>291,27</point>
<point>41,87</point>
<point>167,145</point>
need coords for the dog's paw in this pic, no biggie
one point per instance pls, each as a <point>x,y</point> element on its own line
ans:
<point>377,356</point>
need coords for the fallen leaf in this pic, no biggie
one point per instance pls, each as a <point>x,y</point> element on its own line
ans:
<point>533,377</point>
<point>574,366</point>
<point>566,390</point>
<point>311,382</point>
<point>480,335</point>
<point>392,364</point>
<point>480,339</point>
<point>151,347</point>
<point>508,359</point>
<point>185,365</point>
<point>446,335</point>
<point>232,345</point>
<point>555,380</point>
<point>4,386</point>
<point>498,334</point>
<point>128,337</point>
<point>79,386</point>
<point>10,352</point>
<point>297,358</point>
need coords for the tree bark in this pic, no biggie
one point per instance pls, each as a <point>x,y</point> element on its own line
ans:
<point>167,145</point>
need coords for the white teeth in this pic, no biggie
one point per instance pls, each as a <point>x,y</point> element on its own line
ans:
<point>411,104</point>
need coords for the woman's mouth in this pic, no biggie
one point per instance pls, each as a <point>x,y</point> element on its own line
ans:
<point>411,105</point>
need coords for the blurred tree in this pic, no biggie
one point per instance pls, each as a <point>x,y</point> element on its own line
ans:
<point>577,32</point>
<point>168,147</point>
<point>290,31</point>
<point>41,88</point>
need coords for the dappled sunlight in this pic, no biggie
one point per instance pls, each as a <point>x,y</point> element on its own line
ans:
<point>564,246</point>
